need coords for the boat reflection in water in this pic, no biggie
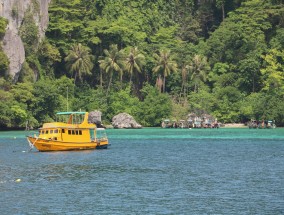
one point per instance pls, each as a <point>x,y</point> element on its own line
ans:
<point>72,132</point>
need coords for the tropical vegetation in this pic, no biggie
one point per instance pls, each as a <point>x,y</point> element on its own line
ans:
<point>151,59</point>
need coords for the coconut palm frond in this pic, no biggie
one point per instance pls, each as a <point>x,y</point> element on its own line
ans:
<point>79,61</point>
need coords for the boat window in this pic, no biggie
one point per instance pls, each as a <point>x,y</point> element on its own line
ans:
<point>77,132</point>
<point>80,132</point>
<point>63,131</point>
<point>56,131</point>
<point>92,133</point>
<point>73,132</point>
<point>46,131</point>
<point>69,131</point>
<point>51,131</point>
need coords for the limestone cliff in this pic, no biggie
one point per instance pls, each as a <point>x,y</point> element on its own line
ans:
<point>14,11</point>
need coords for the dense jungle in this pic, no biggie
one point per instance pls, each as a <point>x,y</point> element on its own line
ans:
<point>152,59</point>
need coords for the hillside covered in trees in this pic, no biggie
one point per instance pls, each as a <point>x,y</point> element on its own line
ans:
<point>152,59</point>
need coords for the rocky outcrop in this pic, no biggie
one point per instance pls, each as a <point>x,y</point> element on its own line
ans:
<point>14,11</point>
<point>95,117</point>
<point>124,120</point>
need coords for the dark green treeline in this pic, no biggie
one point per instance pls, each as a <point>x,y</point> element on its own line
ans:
<point>151,59</point>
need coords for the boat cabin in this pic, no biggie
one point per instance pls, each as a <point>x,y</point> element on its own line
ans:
<point>70,127</point>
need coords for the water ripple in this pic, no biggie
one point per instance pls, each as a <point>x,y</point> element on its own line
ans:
<point>143,173</point>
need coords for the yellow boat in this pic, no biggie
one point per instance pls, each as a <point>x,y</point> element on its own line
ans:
<point>74,134</point>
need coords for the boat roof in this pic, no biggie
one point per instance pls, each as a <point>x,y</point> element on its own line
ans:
<point>70,112</point>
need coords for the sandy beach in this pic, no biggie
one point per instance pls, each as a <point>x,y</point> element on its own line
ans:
<point>235,125</point>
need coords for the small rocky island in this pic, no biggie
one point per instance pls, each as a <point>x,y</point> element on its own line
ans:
<point>124,120</point>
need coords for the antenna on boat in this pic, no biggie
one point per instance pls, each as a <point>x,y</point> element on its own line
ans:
<point>67,98</point>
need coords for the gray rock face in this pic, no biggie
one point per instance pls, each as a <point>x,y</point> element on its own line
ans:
<point>124,120</point>
<point>95,117</point>
<point>12,43</point>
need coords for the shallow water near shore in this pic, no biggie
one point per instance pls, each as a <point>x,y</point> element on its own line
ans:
<point>148,171</point>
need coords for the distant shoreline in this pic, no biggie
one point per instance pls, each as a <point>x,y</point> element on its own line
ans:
<point>235,125</point>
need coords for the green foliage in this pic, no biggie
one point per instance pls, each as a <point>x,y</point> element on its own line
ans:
<point>15,11</point>
<point>14,106</point>
<point>113,61</point>
<point>261,106</point>
<point>23,93</point>
<point>165,65</point>
<point>154,107</point>
<point>6,99</point>
<point>36,6</point>
<point>125,31</point>
<point>220,57</point>
<point>250,79</point>
<point>3,24</point>
<point>179,111</point>
<point>227,109</point>
<point>134,62</point>
<point>202,102</point>
<point>91,99</point>
<point>273,71</point>
<point>5,84</point>
<point>29,33</point>
<point>19,116</point>
<point>122,101</point>
<point>164,38</point>
<point>253,106</point>
<point>26,74</point>
<point>277,42</point>
<point>48,101</point>
<point>242,35</point>
<point>4,63</point>
<point>79,61</point>
<point>217,71</point>
<point>199,68</point>
<point>48,56</point>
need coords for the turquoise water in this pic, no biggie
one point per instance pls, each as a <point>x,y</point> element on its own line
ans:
<point>148,171</point>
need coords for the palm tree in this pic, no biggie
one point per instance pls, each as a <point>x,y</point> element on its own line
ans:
<point>113,61</point>
<point>184,77</point>
<point>79,61</point>
<point>164,64</point>
<point>221,4</point>
<point>134,62</point>
<point>199,68</point>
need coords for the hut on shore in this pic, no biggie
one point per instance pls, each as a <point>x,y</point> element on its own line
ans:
<point>192,121</point>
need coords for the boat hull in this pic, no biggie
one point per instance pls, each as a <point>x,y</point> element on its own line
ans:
<point>45,145</point>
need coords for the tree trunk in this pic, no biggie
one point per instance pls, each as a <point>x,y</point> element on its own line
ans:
<point>164,84</point>
<point>101,78</point>
<point>121,77</point>
<point>130,80</point>
<point>223,11</point>
<point>110,80</point>
<point>75,77</point>
<point>253,87</point>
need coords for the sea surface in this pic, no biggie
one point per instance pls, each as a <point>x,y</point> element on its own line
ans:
<point>148,171</point>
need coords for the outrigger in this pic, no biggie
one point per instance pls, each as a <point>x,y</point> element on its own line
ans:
<point>74,134</point>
